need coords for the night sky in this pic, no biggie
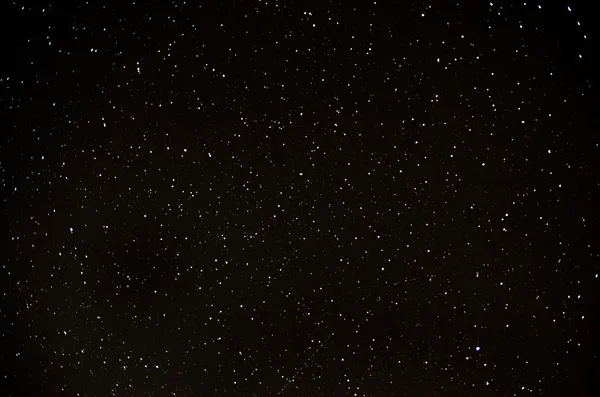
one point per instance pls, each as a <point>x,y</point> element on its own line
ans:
<point>299,199</point>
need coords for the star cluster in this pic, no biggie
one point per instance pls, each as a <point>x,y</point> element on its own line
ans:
<point>271,198</point>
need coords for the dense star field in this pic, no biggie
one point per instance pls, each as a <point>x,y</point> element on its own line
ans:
<point>299,199</point>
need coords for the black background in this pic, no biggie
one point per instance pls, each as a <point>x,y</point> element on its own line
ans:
<point>299,199</point>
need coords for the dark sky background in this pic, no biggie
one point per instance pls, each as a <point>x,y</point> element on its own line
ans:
<point>299,199</point>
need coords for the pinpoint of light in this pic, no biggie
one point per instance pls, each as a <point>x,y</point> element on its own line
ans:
<point>71,230</point>
<point>478,348</point>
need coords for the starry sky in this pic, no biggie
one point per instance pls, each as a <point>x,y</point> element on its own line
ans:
<point>299,199</point>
